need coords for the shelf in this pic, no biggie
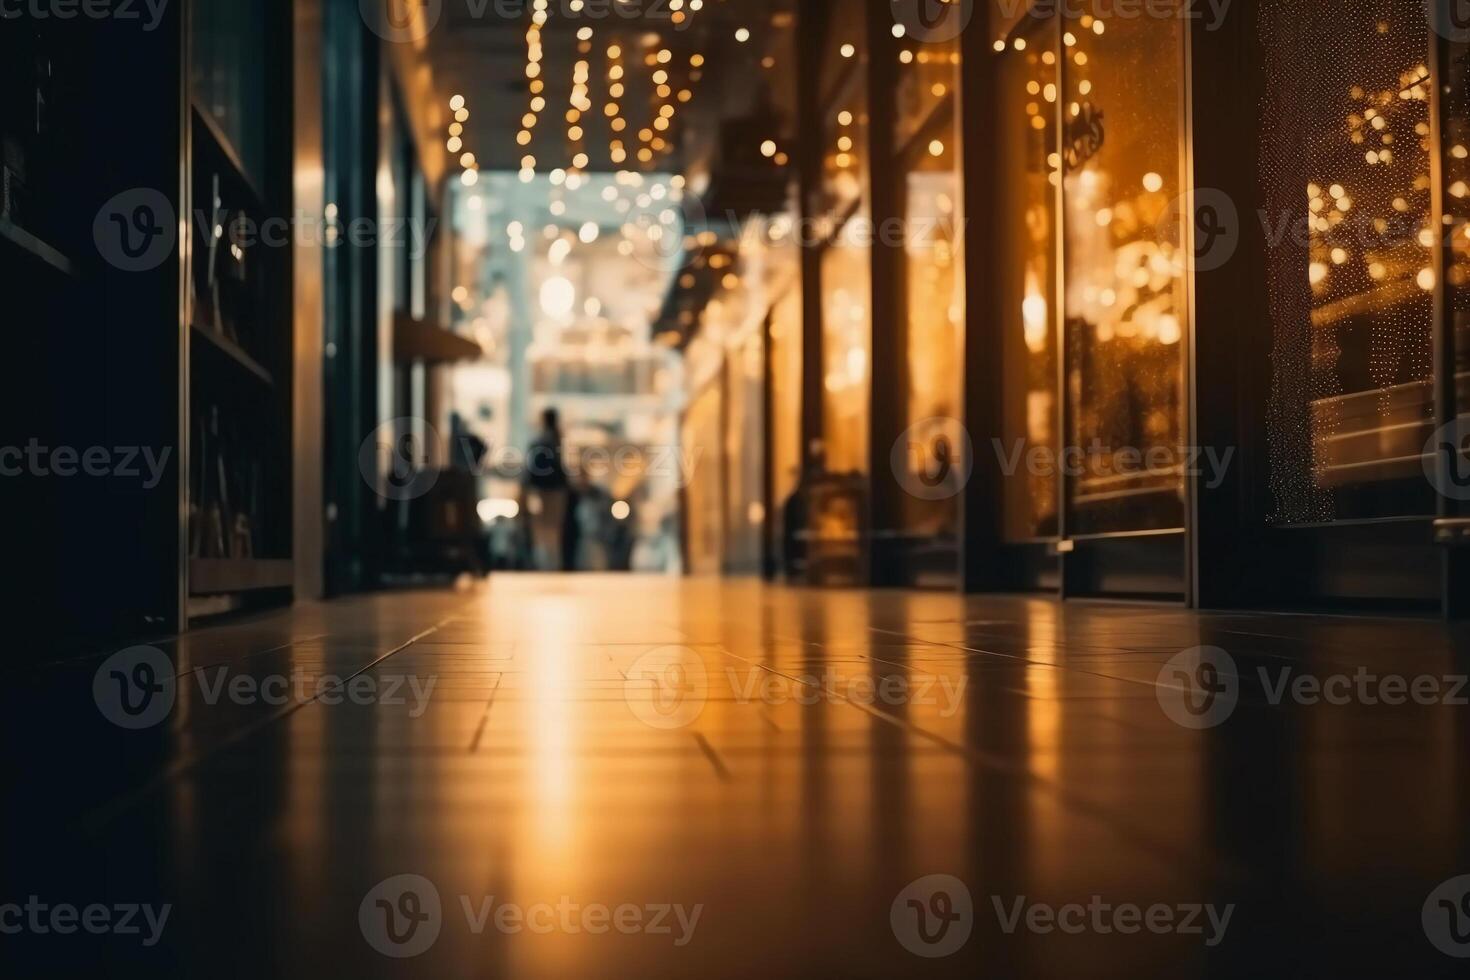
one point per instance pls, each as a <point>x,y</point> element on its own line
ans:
<point>208,576</point>
<point>24,240</point>
<point>232,156</point>
<point>234,352</point>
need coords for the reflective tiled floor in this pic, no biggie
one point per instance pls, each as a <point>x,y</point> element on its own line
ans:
<point>602,776</point>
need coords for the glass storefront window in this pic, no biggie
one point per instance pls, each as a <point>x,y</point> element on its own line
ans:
<point>845,47</point>
<point>1125,301</point>
<point>701,430</point>
<point>928,75</point>
<point>744,510</point>
<point>1455,154</point>
<point>1028,163</point>
<point>844,173</point>
<point>846,272</point>
<point>786,344</point>
<point>926,165</point>
<point>846,346</point>
<point>934,297</point>
<point>1346,180</point>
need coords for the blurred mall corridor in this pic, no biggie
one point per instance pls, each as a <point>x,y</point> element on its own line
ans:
<point>735,488</point>
<point>759,778</point>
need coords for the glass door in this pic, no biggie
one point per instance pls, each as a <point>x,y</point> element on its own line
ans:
<point>1455,163</point>
<point>1448,451</point>
<point>925,172</point>
<point>1350,186</point>
<point>1028,178</point>
<point>1094,301</point>
<point>1346,152</point>
<point>1125,301</point>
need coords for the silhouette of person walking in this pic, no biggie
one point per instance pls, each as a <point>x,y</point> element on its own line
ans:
<point>547,492</point>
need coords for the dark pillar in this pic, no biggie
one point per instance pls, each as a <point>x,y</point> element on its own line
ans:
<point>811,28</point>
<point>1230,368</point>
<point>769,504</point>
<point>980,504</point>
<point>888,361</point>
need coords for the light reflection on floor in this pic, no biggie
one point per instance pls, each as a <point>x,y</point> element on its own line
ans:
<point>839,746</point>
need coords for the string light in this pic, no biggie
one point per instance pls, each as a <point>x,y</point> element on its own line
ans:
<point>615,150</point>
<point>579,101</point>
<point>534,55</point>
